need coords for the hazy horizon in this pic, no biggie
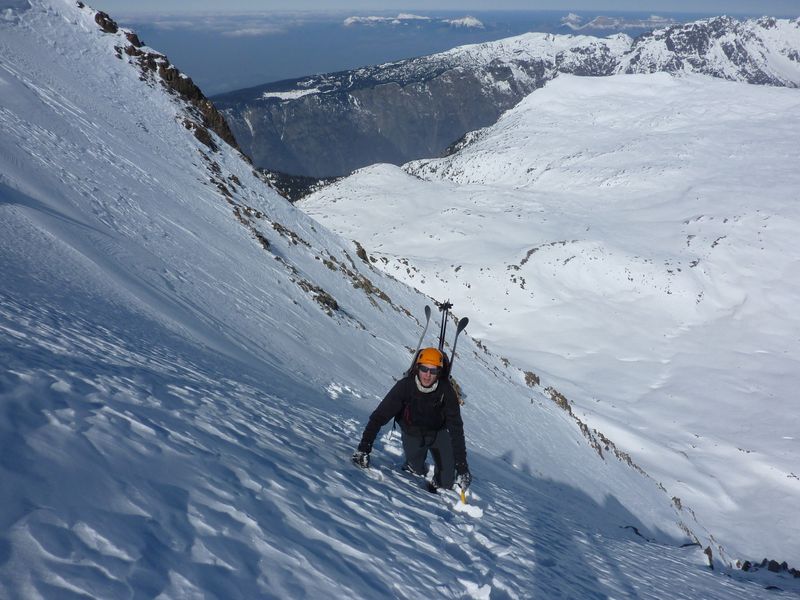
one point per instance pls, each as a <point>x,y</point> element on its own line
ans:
<point>783,8</point>
<point>227,52</point>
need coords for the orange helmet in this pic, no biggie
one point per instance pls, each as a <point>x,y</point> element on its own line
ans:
<point>430,356</point>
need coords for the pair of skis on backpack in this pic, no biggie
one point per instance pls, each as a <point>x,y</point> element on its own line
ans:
<point>444,307</point>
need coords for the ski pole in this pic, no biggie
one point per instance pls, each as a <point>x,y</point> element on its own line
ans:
<point>445,308</point>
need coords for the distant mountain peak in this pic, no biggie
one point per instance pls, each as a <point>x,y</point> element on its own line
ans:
<point>328,125</point>
<point>763,51</point>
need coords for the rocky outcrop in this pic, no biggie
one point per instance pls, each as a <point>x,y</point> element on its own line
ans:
<point>203,115</point>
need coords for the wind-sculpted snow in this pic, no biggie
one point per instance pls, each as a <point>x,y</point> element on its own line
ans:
<point>133,470</point>
<point>187,363</point>
<point>632,241</point>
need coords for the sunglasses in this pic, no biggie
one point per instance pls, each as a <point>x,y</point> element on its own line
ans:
<point>431,370</point>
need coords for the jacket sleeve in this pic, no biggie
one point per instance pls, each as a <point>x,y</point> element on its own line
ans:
<point>389,407</point>
<point>455,426</point>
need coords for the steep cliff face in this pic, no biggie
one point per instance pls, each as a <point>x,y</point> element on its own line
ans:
<point>329,125</point>
<point>332,124</point>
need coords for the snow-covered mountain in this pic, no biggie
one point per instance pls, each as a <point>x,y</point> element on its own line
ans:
<point>186,362</point>
<point>327,125</point>
<point>764,51</point>
<point>632,239</point>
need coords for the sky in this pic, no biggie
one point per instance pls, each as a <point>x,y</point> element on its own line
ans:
<point>771,7</point>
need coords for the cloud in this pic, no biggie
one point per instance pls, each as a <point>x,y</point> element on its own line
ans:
<point>398,20</point>
<point>466,22</point>
<point>406,18</point>
<point>254,31</point>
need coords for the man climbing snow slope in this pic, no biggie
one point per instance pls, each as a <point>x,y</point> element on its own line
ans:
<point>427,408</point>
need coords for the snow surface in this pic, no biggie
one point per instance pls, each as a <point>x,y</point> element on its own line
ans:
<point>632,240</point>
<point>179,397</point>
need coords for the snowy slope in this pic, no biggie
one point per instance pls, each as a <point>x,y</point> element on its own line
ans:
<point>187,362</point>
<point>632,240</point>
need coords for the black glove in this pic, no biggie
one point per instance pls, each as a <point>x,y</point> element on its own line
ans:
<point>464,477</point>
<point>361,459</point>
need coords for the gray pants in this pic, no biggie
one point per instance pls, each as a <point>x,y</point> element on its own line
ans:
<point>416,447</point>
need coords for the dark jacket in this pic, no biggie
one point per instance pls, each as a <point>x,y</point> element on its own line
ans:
<point>433,411</point>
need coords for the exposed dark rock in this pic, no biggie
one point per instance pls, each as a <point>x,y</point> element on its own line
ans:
<point>294,187</point>
<point>710,556</point>
<point>289,234</point>
<point>262,240</point>
<point>184,86</point>
<point>134,39</point>
<point>105,22</point>
<point>361,253</point>
<point>201,133</point>
<point>323,298</point>
<point>772,566</point>
<point>531,379</point>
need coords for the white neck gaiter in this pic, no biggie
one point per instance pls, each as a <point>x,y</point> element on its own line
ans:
<point>422,388</point>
